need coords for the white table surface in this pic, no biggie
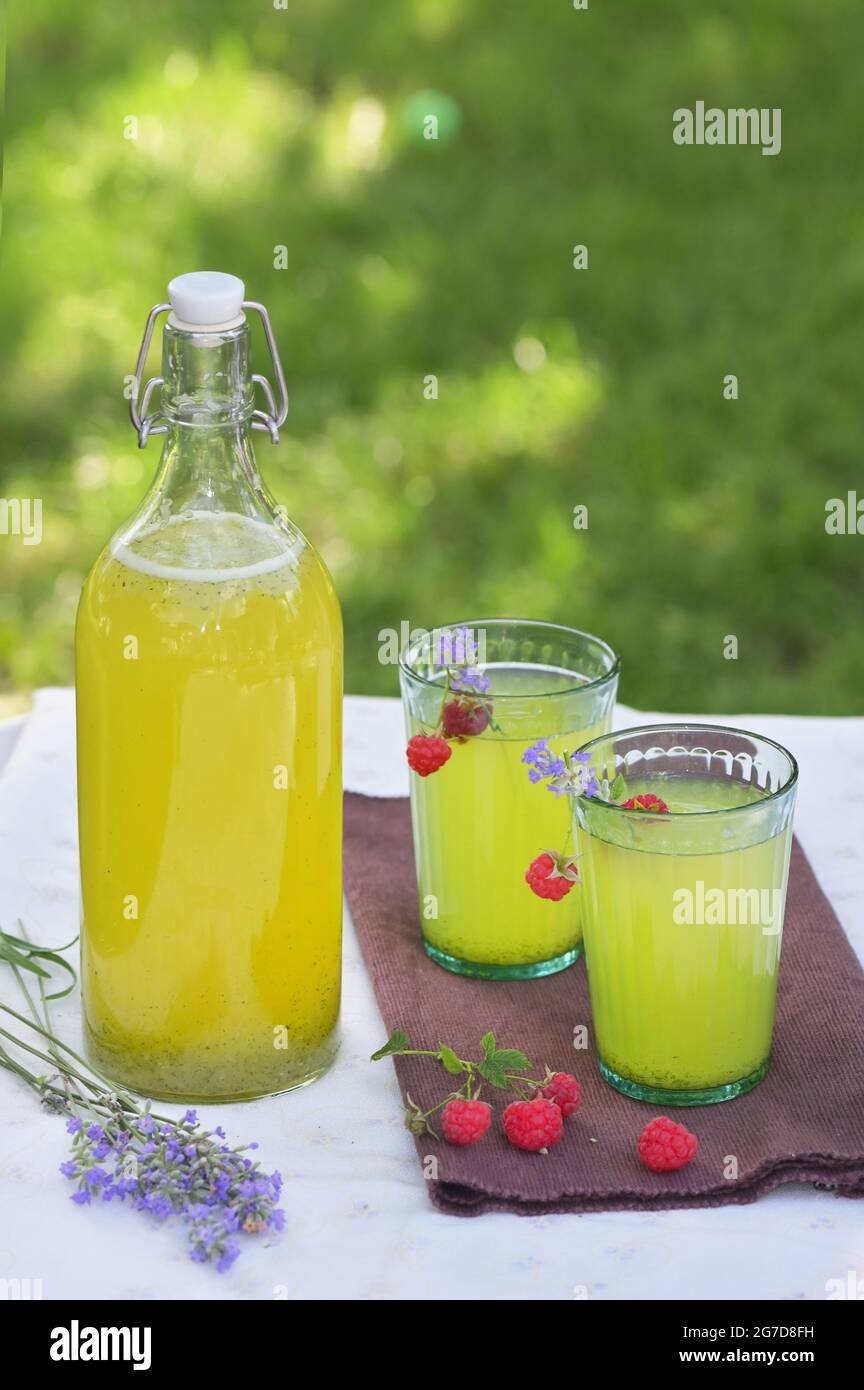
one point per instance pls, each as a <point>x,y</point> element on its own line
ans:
<point>359,1224</point>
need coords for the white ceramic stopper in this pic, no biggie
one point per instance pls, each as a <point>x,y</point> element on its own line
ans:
<point>206,297</point>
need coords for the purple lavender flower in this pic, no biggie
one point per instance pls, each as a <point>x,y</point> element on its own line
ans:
<point>158,1204</point>
<point>567,774</point>
<point>73,1125</point>
<point>458,651</point>
<point>542,762</point>
<point>455,647</point>
<point>214,1188</point>
<point>230,1251</point>
<point>470,679</point>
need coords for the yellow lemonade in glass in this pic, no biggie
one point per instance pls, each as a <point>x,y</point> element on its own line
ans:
<point>479,822</point>
<point>209,660</point>
<point>684,919</point>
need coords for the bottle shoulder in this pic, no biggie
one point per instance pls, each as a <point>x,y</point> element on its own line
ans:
<point>194,559</point>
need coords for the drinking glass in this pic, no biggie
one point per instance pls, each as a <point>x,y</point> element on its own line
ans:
<point>479,821</point>
<point>683,909</point>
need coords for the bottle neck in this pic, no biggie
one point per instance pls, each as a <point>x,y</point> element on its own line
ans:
<point>207,382</point>
<point>208,462</point>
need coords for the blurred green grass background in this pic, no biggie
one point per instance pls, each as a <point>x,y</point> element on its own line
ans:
<point>302,127</point>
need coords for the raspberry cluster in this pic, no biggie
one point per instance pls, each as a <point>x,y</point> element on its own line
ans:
<point>534,1122</point>
<point>533,1125</point>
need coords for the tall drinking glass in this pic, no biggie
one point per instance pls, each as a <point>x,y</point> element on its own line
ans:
<point>478,820</point>
<point>683,907</point>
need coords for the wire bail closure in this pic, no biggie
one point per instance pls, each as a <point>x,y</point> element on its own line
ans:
<point>272,419</point>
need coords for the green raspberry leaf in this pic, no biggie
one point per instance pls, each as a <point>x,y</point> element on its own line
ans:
<point>450,1060</point>
<point>511,1059</point>
<point>618,788</point>
<point>488,1044</point>
<point>397,1042</point>
<point>491,1072</point>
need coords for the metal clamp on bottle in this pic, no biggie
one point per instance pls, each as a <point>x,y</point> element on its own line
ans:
<point>207,301</point>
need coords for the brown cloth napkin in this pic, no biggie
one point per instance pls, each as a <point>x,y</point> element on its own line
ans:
<point>803,1123</point>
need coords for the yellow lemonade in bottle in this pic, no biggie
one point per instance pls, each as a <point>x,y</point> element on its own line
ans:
<point>208,657</point>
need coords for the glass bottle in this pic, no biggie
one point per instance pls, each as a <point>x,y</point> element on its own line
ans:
<point>209,686</point>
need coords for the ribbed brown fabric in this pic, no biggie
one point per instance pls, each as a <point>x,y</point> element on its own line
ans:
<point>805,1122</point>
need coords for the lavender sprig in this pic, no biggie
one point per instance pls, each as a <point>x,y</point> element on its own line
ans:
<point>457,651</point>
<point>567,772</point>
<point>174,1168</point>
<point>469,679</point>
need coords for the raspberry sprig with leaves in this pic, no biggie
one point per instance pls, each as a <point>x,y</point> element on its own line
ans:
<point>533,1122</point>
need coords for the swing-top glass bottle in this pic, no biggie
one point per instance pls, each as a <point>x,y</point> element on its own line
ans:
<point>209,682</point>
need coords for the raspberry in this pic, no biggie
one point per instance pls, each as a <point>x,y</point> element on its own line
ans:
<point>464,718</point>
<point>465,1121</point>
<point>538,878</point>
<point>426,753</point>
<point>646,802</point>
<point>533,1124</point>
<point>563,1090</point>
<point>665,1146</point>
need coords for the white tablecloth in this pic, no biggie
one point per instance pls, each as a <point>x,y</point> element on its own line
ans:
<point>359,1223</point>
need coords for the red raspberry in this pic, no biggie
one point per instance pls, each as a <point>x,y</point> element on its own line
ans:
<point>426,753</point>
<point>537,877</point>
<point>563,1089</point>
<point>665,1146</point>
<point>646,802</point>
<point>534,1125</point>
<point>465,1121</point>
<point>464,718</point>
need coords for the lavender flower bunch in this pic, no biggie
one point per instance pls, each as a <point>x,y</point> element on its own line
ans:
<point>456,649</point>
<point>121,1151</point>
<point>567,772</point>
<point>173,1168</point>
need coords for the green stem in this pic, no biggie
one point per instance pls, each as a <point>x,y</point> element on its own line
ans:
<point>127,1102</point>
<point>414,1052</point>
<point>424,1052</point>
<point>43,1021</point>
<point>39,1086</point>
<point>523,1081</point>
<point>10,1064</point>
<point>44,1032</point>
<point>440,725</point>
<point>440,1106</point>
<point>43,1056</point>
